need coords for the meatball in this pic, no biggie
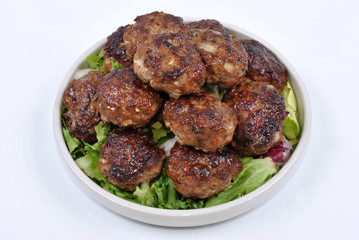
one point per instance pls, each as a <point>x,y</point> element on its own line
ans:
<point>80,99</point>
<point>263,66</point>
<point>169,62</point>
<point>129,157</point>
<point>208,24</point>
<point>125,101</point>
<point>223,55</point>
<point>148,25</point>
<point>115,50</point>
<point>260,112</point>
<point>201,121</point>
<point>197,174</point>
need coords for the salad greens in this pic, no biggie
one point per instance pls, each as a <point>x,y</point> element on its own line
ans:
<point>161,134</point>
<point>291,127</point>
<point>160,192</point>
<point>254,173</point>
<point>116,65</point>
<point>96,62</point>
<point>73,144</point>
<point>216,91</point>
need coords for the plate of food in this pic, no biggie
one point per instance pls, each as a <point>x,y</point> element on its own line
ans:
<point>180,121</point>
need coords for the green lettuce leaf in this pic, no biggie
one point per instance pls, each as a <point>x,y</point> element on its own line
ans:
<point>145,195</point>
<point>216,91</point>
<point>102,129</point>
<point>162,194</point>
<point>96,61</point>
<point>160,133</point>
<point>291,128</point>
<point>254,173</point>
<point>177,201</point>
<point>89,164</point>
<point>73,144</point>
<point>116,65</point>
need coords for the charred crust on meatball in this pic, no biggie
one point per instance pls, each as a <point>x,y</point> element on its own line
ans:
<point>80,99</point>
<point>115,50</point>
<point>224,56</point>
<point>263,65</point>
<point>201,121</point>
<point>147,25</point>
<point>125,101</point>
<point>198,175</point>
<point>208,24</point>
<point>170,63</point>
<point>129,157</point>
<point>260,112</point>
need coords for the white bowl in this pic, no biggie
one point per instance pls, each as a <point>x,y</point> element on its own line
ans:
<point>196,217</point>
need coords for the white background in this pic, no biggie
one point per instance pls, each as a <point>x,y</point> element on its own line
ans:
<point>41,39</point>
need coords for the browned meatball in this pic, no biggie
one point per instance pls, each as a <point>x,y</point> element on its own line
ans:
<point>260,111</point>
<point>201,121</point>
<point>169,62</point>
<point>129,157</point>
<point>223,55</point>
<point>148,25</point>
<point>208,24</point>
<point>80,99</point>
<point>115,50</point>
<point>197,174</point>
<point>125,101</point>
<point>263,66</point>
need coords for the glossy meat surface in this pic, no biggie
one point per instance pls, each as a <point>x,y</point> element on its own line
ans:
<point>148,25</point>
<point>169,62</point>
<point>260,112</point>
<point>263,66</point>
<point>125,101</point>
<point>129,157</point>
<point>80,98</point>
<point>201,121</point>
<point>223,55</point>
<point>115,50</point>
<point>199,175</point>
<point>208,24</point>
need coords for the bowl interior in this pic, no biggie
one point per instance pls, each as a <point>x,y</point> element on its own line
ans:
<point>181,218</point>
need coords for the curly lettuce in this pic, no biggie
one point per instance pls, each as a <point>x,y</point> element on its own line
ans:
<point>160,133</point>
<point>254,173</point>
<point>162,194</point>
<point>96,62</point>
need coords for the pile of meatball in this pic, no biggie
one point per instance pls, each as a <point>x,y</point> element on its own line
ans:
<point>166,64</point>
